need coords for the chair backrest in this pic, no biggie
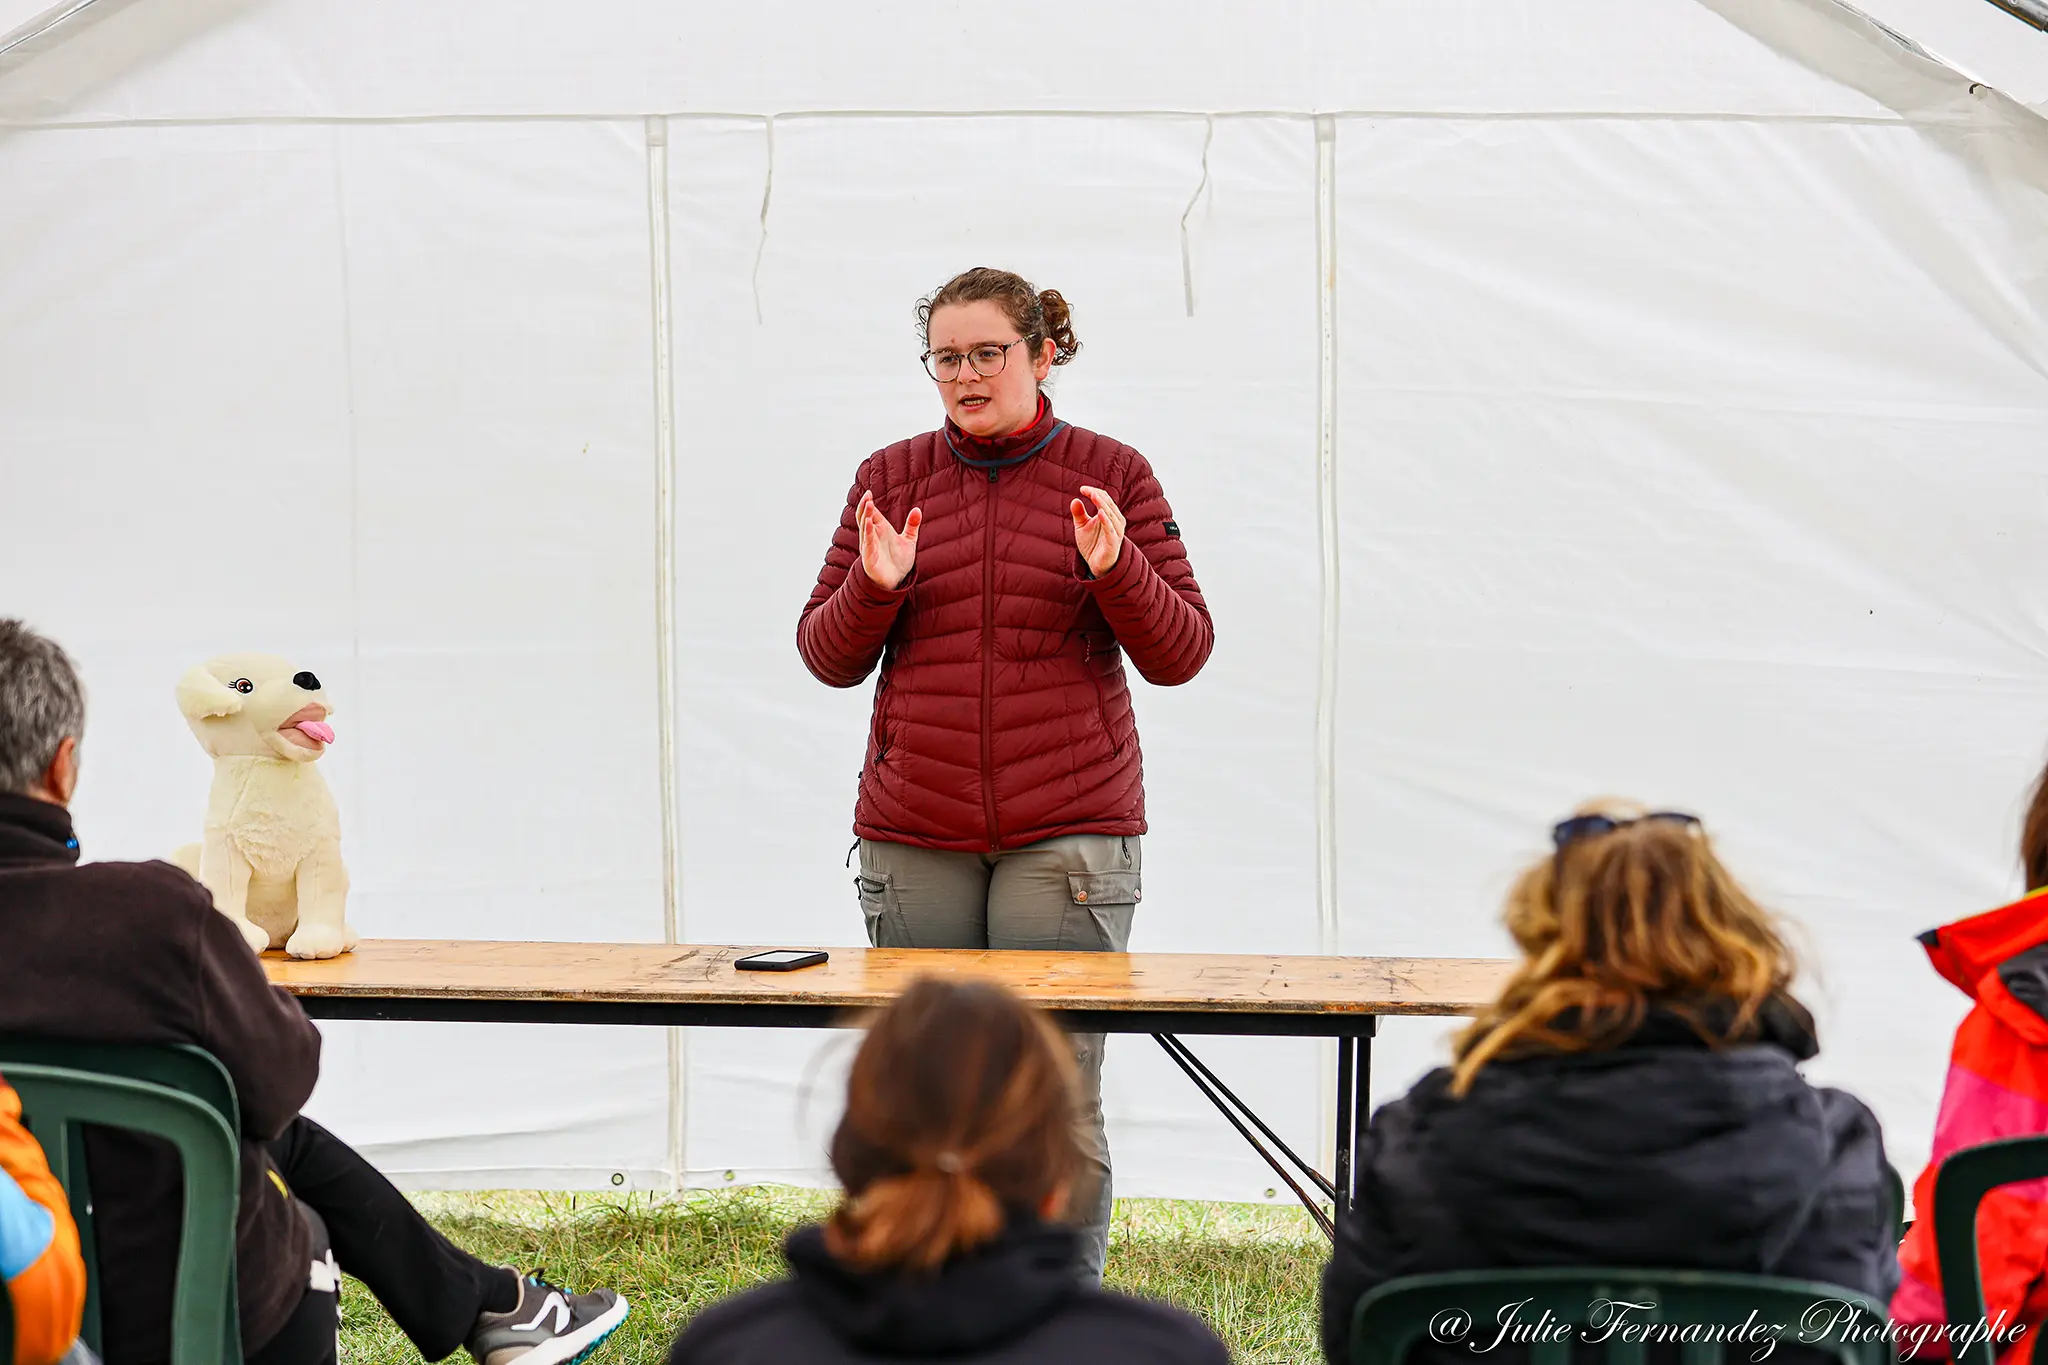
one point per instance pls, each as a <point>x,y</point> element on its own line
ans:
<point>1713,1317</point>
<point>179,1094</point>
<point>1895,1185</point>
<point>181,1066</point>
<point>1960,1185</point>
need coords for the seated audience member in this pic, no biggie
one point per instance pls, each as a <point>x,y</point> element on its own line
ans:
<point>957,1153</point>
<point>1997,1088</point>
<point>135,952</point>
<point>39,1255</point>
<point>1632,1098</point>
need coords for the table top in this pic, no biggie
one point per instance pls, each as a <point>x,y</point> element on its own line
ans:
<point>661,973</point>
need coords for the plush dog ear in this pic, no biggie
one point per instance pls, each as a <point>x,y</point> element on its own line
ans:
<point>200,695</point>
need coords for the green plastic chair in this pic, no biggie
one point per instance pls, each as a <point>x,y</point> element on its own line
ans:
<point>1464,1308</point>
<point>193,1070</point>
<point>180,1094</point>
<point>1959,1187</point>
<point>1895,1185</point>
<point>180,1066</point>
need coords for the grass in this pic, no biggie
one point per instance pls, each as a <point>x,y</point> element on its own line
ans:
<point>1249,1271</point>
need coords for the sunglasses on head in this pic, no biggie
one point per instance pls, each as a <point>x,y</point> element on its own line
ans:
<point>1587,826</point>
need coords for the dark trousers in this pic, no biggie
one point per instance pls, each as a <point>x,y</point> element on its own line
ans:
<point>432,1288</point>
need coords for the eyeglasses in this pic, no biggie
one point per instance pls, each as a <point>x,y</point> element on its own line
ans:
<point>1587,826</point>
<point>987,359</point>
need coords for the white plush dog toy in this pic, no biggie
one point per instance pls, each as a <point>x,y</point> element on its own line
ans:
<point>272,852</point>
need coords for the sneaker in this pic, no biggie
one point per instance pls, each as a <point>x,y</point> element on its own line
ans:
<point>549,1327</point>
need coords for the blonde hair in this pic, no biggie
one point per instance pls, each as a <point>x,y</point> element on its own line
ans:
<point>1615,920</point>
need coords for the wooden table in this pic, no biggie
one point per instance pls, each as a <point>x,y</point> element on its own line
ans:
<point>1163,994</point>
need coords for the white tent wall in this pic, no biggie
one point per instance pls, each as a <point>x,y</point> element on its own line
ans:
<point>1757,551</point>
<point>504,495</point>
<point>775,411</point>
<point>295,388</point>
<point>1688,401</point>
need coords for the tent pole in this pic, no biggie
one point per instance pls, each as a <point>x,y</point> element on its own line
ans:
<point>2033,12</point>
<point>1330,639</point>
<point>50,28</point>
<point>665,612</point>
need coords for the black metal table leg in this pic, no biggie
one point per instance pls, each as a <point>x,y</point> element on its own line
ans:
<point>1354,1108</point>
<point>1354,1093</point>
<point>1244,1120</point>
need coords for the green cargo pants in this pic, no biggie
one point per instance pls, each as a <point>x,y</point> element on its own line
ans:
<point>1076,893</point>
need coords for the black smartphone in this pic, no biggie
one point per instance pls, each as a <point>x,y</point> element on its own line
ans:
<point>780,960</point>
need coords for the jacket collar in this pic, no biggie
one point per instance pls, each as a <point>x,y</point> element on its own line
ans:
<point>34,833</point>
<point>1965,950</point>
<point>1782,1022</point>
<point>2000,960</point>
<point>977,1299</point>
<point>995,452</point>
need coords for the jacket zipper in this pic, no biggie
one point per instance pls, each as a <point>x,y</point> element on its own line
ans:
<point>988,668</point>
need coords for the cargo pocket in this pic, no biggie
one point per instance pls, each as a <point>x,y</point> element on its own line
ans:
<point>878,907</point>
<point>1099,919</point>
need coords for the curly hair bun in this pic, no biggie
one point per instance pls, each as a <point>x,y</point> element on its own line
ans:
<point>1059,325</point>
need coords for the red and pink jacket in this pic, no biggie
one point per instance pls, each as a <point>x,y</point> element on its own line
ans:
<point>1002,716</point>
<point>1997,1088</point>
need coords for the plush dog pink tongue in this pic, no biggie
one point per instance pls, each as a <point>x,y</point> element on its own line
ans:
<point>316,729</point>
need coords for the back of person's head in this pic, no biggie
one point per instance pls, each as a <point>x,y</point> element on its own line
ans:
<point>2034,837</point>
<point>1632,908</point>
<point>959,1116</point>
<point>42,704</point>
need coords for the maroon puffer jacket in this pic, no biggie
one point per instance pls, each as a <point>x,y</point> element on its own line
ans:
<point>1002,716</point>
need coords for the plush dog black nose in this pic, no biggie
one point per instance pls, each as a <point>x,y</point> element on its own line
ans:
<point>307,681</point>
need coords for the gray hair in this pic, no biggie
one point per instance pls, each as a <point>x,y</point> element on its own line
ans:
<point>41,703</point>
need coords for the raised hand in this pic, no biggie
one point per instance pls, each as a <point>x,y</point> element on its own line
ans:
<point>886,555</point>
<point>1099,536</point>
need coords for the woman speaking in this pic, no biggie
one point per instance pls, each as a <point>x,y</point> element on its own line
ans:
<point>999,569</point>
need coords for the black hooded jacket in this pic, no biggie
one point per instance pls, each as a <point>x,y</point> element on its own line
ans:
<point>1018,1300</point>
<point>1658,1151</point>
